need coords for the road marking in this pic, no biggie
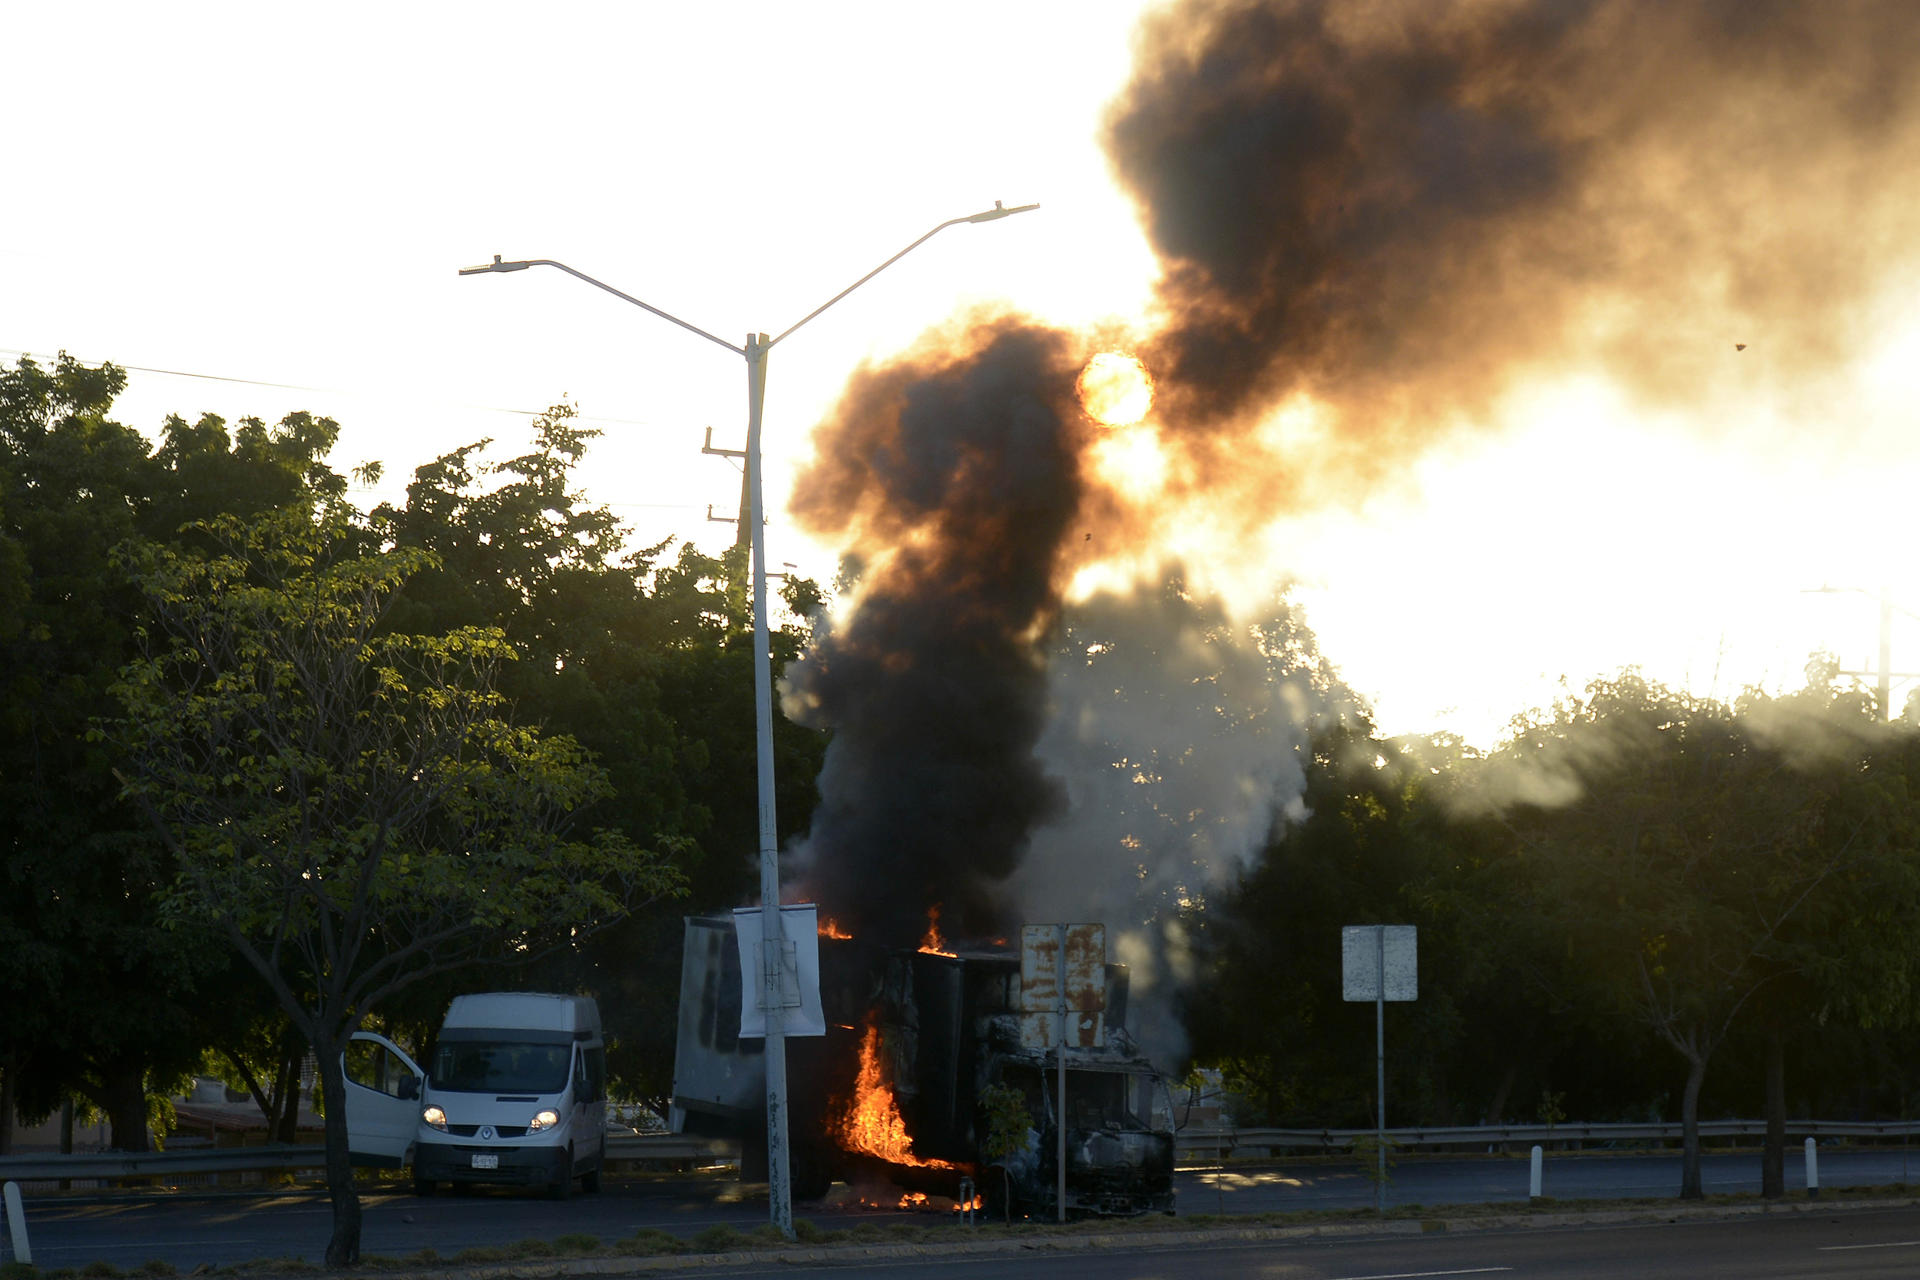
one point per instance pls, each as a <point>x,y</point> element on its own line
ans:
<point>1891,1244</point>
<point>1417,1275</point>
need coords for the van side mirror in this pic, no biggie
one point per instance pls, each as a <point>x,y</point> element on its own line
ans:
<point>409,1088</point>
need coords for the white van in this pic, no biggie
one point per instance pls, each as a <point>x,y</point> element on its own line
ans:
<point>516,1094</point>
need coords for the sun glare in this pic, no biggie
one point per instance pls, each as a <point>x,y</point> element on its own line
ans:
<point>1133,462</point>
<point>1115,389</point>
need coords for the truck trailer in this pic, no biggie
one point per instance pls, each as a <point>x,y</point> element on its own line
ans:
<point>914,1040</point>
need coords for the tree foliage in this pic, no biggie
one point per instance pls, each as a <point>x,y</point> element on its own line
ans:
<point>352,805</point>
<point>1695,845</point>
<point>1636,880</point>
<point>103,1005</point>
<point>643,658</point>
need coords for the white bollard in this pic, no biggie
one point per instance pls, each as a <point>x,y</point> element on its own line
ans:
<point>1533,1179</point>
<point>1813,1171</point>
<point>17,1225</point>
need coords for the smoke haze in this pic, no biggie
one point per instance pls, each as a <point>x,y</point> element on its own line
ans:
<point>1180,735</point>
<point>1375,222</point>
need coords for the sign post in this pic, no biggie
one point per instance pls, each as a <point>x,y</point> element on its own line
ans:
<point>1063,971</point>
<point>1060,1125</point>
<point>1379,962</point>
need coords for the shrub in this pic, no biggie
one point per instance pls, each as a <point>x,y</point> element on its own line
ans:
<point>717,1239</point>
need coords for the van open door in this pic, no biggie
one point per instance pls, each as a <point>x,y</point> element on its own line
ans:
<point>383,1101</point>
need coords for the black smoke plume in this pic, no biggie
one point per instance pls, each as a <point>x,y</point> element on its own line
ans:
<point>957,474</point>
<point>1395,212</point>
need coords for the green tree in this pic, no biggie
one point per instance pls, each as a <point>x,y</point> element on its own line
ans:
<point>645,659</point>
<point>349,804</point>
<point>1850,958</point>
<point>1685,854</point>
<point>1268,1009</point>
<point>102,1004</point>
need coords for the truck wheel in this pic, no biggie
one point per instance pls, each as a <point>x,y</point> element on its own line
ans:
<point>422,1186</point>
<point>590,1180</point>
<point>562,1185</point>
<point>809,1173</point>
<point>753,1155</point>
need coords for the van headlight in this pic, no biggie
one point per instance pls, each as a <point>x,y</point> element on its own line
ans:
<point>544,1120</point>
<point>433,1117</point>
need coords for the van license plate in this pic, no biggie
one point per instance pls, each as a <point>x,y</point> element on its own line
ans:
<point>488,1161</point>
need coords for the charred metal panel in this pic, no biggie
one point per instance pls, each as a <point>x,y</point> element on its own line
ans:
<point>939,1115</point>
<point>1117,986</point>
<point>713,1069</point>
<point>1041,1031</point>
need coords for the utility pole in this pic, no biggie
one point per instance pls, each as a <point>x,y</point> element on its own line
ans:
<point>1884,687</point>
<point>746,502</point>
<point>1883,673</point>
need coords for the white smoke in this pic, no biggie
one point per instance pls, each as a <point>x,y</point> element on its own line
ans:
<point>1181,738</point>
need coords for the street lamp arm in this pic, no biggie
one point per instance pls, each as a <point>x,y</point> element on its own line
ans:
<point>497,265</point>
<point>986,215</point>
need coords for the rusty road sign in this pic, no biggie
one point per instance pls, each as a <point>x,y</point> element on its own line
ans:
<point>1085,989</point>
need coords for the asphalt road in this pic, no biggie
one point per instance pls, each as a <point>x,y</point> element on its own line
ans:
<point>186,1230</point>
<point>1852,1246</point>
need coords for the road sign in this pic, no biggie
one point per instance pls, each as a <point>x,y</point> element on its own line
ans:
<point>1378,963</point>
<point>1371,952</point>
<point>1043,948</point>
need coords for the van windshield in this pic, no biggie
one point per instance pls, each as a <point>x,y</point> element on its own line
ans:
<point>501,1066</point>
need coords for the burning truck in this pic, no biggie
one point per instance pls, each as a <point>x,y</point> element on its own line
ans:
<point>914,1039</point>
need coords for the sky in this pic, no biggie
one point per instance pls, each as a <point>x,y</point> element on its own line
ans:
<point>269,195</point>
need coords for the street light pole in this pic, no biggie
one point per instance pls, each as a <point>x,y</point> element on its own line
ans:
<point>772,936</point>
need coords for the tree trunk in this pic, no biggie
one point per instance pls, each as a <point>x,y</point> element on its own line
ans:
<point>66,1135</point>
<point>343,1247</point>
<point>261,1097</point>
<point>1690,1130</point>
<point>1497,1109</point>
<point>286,1091</point>
<point>123,1096</point>
<point>1773,1155</point>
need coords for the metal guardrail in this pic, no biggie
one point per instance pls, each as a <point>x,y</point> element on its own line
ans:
<point>1242,1142</point>
<point>1190,1144</point>
<point>111,1165</point>
<point>672,1146</point>
<point>148,1164</point>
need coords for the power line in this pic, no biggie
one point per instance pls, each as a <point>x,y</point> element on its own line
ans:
<point>289,386</point>
<point>336,391</point>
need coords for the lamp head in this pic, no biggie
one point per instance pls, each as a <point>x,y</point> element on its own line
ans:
<point>495,265</point>
<point>1000,211</point>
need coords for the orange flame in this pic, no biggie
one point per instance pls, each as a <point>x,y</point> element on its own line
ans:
<point>913,1200</point>
<point>872,1121</point>
<point>831,929</point>
<point>961,1206</point>
<point>933,944</point>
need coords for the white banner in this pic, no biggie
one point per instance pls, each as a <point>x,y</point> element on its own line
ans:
<point>799,972</point>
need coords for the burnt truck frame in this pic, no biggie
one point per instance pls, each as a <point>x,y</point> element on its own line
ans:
<point>949,1025</point>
